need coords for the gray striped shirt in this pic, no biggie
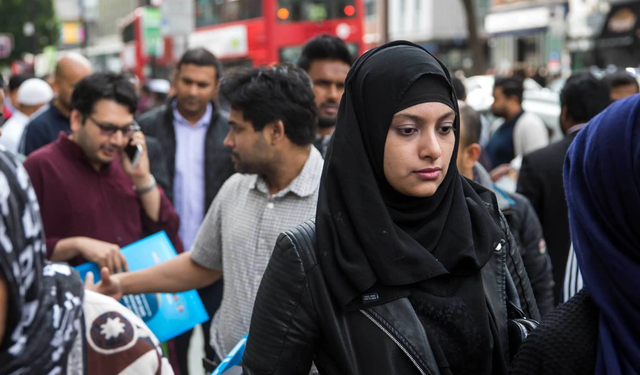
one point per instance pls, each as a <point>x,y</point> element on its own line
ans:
<point>238,235</point>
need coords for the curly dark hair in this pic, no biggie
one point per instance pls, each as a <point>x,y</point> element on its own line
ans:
<point>280,92</point>
<point>324,47</point>
<point>103,86</point>
<point>585,96</point>
<point>511,86</point>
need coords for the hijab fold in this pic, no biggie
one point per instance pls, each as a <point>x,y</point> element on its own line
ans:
<point>602,185</point>
<point>374,242</point>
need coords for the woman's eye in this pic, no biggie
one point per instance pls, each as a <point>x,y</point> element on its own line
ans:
<point>407,131</point>
<point>445,129</point>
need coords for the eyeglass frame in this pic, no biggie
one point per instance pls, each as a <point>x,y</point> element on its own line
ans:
<point>111,130</point>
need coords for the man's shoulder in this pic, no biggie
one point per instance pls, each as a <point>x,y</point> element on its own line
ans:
<point>150,121</point>
<point>553,153</point>
<point>41,120</point>
<point>45,155</point>
<point>530,117</point>
<point>237,184</point>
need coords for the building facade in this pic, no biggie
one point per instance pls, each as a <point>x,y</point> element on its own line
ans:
<point>527,34</point>
<point>439,26</point>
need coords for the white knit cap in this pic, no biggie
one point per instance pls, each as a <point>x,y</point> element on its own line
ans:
<point>161,86</point>
<point>34,91</point>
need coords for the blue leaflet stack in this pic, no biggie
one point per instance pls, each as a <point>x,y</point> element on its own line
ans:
<point>167,315</point>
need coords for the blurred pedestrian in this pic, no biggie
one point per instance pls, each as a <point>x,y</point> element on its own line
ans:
<point>327,60</point>
<point>399,273</point>
<point>48,324</point>
<point>159,90</point>
<point>191,130</point>
<point>33,95</point>
<point>272,126</point>
<point>2,108</point>
<point>622,85</point>
<point>93,200</point>
<point>521,133</point>
<point>596,331</point>
<point>540,180</point>
<point>12,91</point>
<point>521,217</point>
<point>45,128</point>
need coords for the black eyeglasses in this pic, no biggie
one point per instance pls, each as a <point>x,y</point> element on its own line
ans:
<point>109,130</point>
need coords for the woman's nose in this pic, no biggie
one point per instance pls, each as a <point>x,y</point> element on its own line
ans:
<point>429,146</point>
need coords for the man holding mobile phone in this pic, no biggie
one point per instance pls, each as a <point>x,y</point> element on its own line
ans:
<point>93,198</point>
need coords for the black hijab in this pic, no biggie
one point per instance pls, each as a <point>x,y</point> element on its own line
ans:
<point>374,243</point>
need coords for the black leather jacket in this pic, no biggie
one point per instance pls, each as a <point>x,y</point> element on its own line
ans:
<point>297,321</point>
<point>527,231</point>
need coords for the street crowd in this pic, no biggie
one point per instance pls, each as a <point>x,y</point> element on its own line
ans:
<point>351,215</point>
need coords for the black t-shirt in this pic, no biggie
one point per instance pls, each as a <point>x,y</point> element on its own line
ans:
<point>44,129</point>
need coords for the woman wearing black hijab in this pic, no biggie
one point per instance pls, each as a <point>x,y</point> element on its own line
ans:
<point>405,270</point>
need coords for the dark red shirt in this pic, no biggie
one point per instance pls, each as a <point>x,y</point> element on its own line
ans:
<point>78,201</point>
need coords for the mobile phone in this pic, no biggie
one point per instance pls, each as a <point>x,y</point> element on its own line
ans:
<point>133,153</point>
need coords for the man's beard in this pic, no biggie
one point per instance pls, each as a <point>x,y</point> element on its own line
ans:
<point>326,122</point>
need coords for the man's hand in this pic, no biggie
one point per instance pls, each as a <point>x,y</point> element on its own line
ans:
<point>109,285</point>
<point>103,253</point>
<point>501,171</point>
<point>140,175</point>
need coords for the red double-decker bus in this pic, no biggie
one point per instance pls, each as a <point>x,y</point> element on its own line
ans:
<point>145,51</point>
<point>254,32</point>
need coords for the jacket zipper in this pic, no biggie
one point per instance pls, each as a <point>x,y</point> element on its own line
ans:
<point>406,352</point>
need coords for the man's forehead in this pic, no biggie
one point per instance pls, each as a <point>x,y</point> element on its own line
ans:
<point>331,67</point>
<point>197,72</point>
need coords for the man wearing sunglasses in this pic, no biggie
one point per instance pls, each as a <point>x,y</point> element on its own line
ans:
<point>92,198</point>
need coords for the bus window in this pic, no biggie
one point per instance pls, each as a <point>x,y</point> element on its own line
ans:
<point>314,10</point>
<point>128,33</point>
<point>292,54</point>
<point>214,12</point>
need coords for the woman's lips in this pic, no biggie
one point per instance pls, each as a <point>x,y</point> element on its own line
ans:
<point>429,174</point>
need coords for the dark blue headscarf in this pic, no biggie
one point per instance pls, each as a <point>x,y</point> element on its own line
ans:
<point>602,184</point>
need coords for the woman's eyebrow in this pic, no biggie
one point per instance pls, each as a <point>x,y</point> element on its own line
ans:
<point>446,115</point>
<point>420,119</point>
<point>409,116</point>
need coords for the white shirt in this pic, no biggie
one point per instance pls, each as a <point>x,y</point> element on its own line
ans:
<point>238,235</point>
<point>12,131</point>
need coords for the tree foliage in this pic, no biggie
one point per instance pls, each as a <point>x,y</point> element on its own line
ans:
<point>15,13</point>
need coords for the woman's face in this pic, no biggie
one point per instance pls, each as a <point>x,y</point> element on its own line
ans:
<point>419,148</point>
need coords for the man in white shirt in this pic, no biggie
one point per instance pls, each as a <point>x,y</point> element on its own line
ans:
<point>272,126</point>
<point>32,96</point>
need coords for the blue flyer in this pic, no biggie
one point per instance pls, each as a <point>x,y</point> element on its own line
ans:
<point>166,314</point>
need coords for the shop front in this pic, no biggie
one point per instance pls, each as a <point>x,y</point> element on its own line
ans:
<point>526,37</point>
<point>619,42</point>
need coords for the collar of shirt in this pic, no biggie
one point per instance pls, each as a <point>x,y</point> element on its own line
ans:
<point>514,120</point>
<point>205,120</point>
<point>304,185</point>
<point>575,128</point>
<point>74,151</point>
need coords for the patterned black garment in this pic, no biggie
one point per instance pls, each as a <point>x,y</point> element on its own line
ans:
<point>45,299</point>
<point>565,343</point>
